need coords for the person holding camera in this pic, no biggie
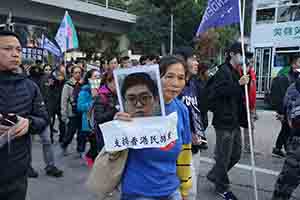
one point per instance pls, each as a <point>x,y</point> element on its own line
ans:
<point>22,112</point>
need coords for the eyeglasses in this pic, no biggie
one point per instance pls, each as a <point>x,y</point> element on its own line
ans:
<point>144,99</point>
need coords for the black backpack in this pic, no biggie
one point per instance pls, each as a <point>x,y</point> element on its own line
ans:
<point>207,98</point>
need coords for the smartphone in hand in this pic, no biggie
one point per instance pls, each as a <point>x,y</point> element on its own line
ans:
<point>8,120</point>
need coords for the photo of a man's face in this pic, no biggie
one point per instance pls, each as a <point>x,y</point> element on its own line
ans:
<point>139,101</point>
<point>140,94</point>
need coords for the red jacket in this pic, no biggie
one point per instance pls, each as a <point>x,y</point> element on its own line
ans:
<point>251,87</point>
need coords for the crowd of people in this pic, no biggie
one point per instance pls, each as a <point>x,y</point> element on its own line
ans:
<point>79,100</point>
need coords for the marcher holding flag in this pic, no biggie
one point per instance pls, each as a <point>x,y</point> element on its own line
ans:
<point>226,90</point>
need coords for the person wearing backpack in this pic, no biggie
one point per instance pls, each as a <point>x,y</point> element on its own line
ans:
<point>226,93</point>
<point>69,113</point>
<point>289,178</point>
<point>279,87</point>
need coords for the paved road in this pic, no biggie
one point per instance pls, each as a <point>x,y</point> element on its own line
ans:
<point>71,187</point>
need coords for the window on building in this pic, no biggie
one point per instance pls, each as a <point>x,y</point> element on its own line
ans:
<point>265,16</point>
<point>283,56</point>
<point>288,13</point>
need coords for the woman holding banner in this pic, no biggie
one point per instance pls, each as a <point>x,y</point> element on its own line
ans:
<point>162,173</point>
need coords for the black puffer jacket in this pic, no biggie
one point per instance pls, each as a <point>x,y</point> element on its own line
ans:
<point>52,93</point>
<point>105,108</point>
<point>21,96</point>
<point>229,111</point>
<point>279,87</point>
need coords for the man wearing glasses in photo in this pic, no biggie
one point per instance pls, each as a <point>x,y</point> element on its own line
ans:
<point>140,95</point>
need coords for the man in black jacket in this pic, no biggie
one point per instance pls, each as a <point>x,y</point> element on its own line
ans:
<point>229,115</point>
<point>21,97</point>
<point>278,90</point>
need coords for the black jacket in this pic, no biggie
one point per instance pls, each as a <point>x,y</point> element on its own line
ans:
<point>105,108</point>
<point>21,96</point>
<point>279,87</point>
<point>229,110</point>
<point>52,94</point>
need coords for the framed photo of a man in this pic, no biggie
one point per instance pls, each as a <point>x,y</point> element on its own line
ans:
<point>139,91</point>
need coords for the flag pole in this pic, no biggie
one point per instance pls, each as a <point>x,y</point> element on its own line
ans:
<point>65,60</point>
<point>242,18</point>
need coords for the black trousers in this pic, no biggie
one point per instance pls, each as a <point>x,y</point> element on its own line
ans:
<point>14,190</point>
<point>73,127</point>
<point>61,126</point>
<point>92,153</point>
<point>283,136</point>
<point>227,154</point>
<point>289,178</point>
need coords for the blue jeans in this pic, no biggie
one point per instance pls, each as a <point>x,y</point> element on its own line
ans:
<point>175,196</point>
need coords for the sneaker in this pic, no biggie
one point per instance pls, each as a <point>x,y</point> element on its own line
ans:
<point>32,173</point>
<point>54,172</point>
<point>227,195</point>
<point>278,153</point>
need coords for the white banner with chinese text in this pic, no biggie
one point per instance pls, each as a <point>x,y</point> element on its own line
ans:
<point>145,132</point>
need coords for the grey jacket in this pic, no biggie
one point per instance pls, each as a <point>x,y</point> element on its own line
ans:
<point>66,100</point>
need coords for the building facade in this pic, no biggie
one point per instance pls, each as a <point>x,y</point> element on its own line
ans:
<point>275,36</point>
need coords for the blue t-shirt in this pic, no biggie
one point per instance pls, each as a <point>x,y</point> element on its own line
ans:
<point>153,172</point>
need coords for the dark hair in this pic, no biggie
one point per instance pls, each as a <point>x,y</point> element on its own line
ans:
<point>88,75</point>
<point>166,61</point>
<point>107,78</point>
<point>73,67</point>
<point>249,55</point>
<point>4,33</point>
<point>46,65</point>
<point>143,59</point>
<point>184,52</point>
<point>203,68</point>
<point>294,58</point>
<point>153,57</point>
<point>140,78</point>
<point>234,48</point>
<point>125,58</point>
<point>111,57</point>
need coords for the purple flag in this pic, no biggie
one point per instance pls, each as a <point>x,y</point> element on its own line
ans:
<point>219,13</point>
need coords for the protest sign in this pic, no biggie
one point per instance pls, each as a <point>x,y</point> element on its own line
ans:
<point>140,133</point>
<point>139,91</point>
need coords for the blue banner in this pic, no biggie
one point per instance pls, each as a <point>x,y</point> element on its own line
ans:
<point>51,47</point>
<point>219,13</point>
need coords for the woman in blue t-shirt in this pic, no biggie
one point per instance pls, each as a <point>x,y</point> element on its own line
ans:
<point>162,173</point>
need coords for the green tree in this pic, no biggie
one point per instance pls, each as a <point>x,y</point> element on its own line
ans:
<point>152,30</point>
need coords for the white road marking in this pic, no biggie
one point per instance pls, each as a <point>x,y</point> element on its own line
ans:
<point>245,167</point>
